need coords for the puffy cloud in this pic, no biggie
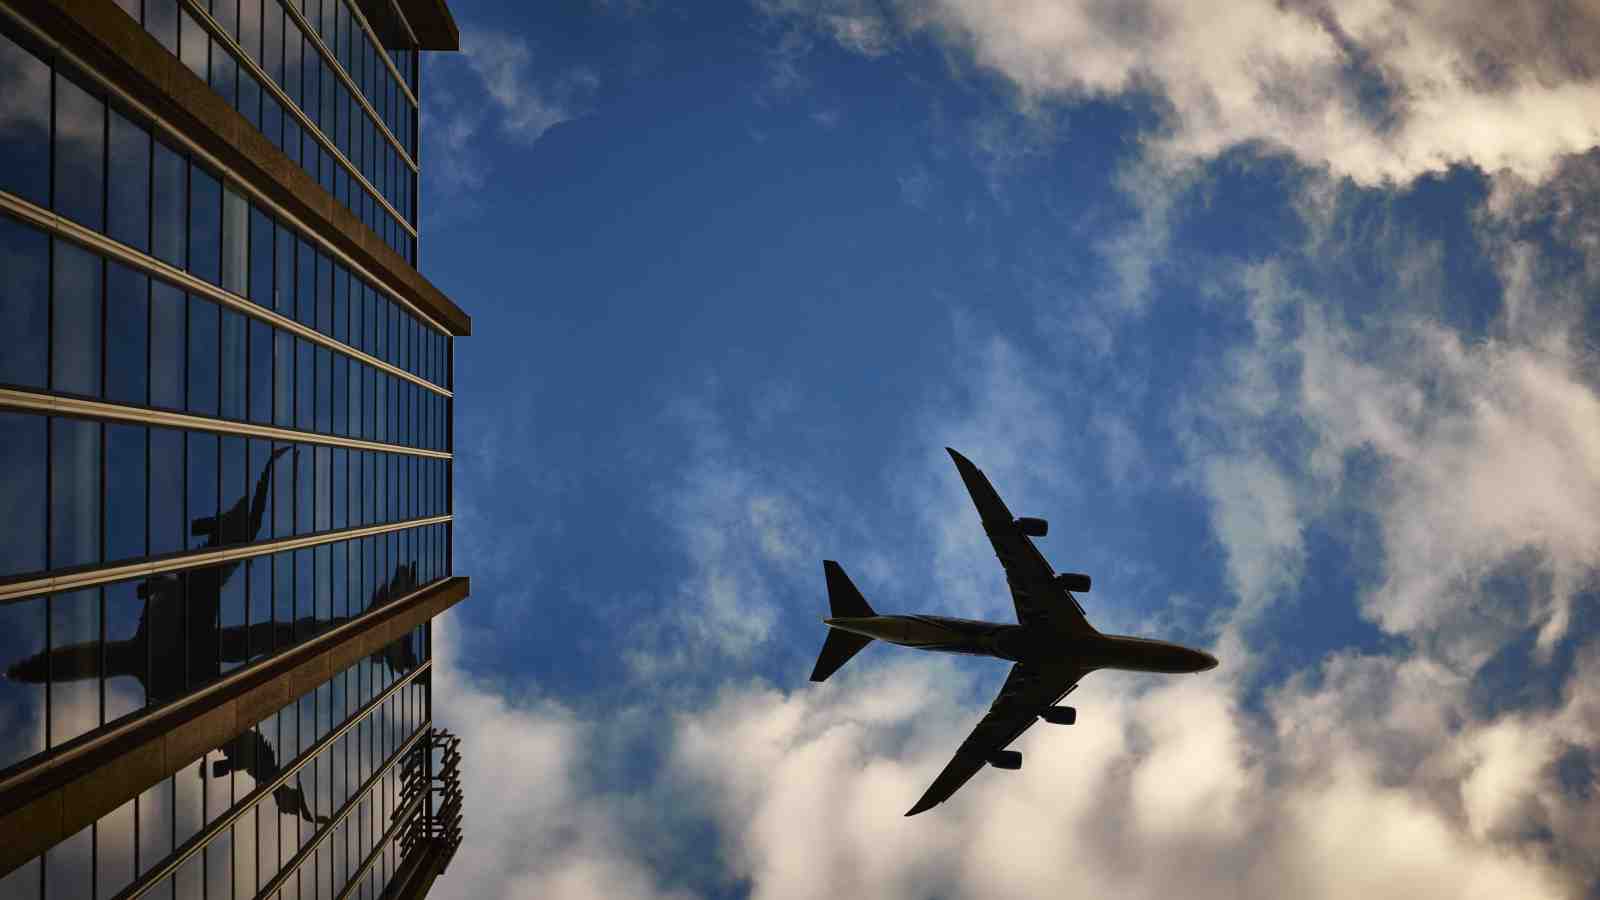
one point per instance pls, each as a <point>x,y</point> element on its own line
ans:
<point>1377,91</point>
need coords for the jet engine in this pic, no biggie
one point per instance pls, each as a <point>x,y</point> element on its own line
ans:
<point>1073,581</point>
<point>1006,759</point>
<point>1059,715</point>
<point>1033,527</point>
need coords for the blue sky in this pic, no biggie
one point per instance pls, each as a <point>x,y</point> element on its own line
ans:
<point>1281,317</point>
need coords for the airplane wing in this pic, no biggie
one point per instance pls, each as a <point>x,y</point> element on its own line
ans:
<point>1033,588</point>
<point>1027,691</point>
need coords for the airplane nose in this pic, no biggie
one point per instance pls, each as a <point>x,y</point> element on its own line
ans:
<point>1210,662</point>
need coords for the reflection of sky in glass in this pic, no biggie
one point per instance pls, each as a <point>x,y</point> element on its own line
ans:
<point>114,849</point>
<point>22,492</point>
<point>124,513</point>
<point>22,635</point>
<point>69,867</point>
<point>74,664</point>
<point>24,123</point>
<point>79,154</point>
<point>126,652</point>
<point>74,492</point>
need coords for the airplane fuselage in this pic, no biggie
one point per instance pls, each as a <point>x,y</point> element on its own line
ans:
<point>1035,646</point>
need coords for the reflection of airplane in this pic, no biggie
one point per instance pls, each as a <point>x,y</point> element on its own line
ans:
<point>250,753</point>
<point>1052,647</point>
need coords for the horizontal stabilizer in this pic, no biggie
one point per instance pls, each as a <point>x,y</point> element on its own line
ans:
<point>836,651</point>
<point>843,599</point>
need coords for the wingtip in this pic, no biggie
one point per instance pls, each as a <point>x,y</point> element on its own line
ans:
<point>921,807</point>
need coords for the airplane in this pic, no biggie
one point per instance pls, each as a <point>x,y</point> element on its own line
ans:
<point>1052,646</point>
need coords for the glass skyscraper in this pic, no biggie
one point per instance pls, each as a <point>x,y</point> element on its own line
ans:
<point>225,453</point>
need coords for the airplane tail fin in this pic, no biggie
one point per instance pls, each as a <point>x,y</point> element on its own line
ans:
<point>844,602</point>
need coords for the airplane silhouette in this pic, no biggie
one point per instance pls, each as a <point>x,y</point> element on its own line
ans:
<point>1053,646</point>
<point>174,646</point>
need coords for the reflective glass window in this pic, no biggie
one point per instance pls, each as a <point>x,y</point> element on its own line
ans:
<point>258,572</point>
<point>341,304</point>
<point>80,163</point>
<point>124,514</point>
<point>283,490</point>
<point>169,203</point>
<point>168,345</point>
<point>204,526</point>
<point>283,598</point>
<point>272,24</point>
<point>161,20</point>
<point>235,241</point>
<point>74,492</point>
<point>283,286</point>
<point>283,378</point>
<point>272,119</point>
<point>204,340</point>
<point>305,282</point>
<point>261,231</point>
<point>323,564</point>
<point>260,382</point>
<point>304,488</point>
<point>324,390</point>
<point>224,74</point>
<point>305,383</point>
<point>250,28</point>
<point>69,866</point>
<point>166,522</point>
<point>75,311</point>
<point>250,97</point>
<point>353,406</point>
<point>24,303</point>
<point>25,130</point>
<point>340,394</point>
<point>324,496</point>
<point>113,846</point>
<point>128,190</point>
<point>74,664</point>
<point>233,637</point>
<point>292,77</point>
<point>22,652</point>
<point>200,626</point>
<point>339,585</point>
<point>234,371</point>
<point>193,45</point>
<point>127,335</point>
<point>234,496</point>
<point>258,487</point>
<point>155,826</point>
<point>324,321</point>
<point>205,225</point>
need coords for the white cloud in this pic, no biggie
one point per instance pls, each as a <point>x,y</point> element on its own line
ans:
<point>1377,91</point>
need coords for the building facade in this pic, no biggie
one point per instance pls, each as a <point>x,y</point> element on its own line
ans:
<point>225,433</point>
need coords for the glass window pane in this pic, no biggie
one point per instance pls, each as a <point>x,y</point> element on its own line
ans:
<point>204,526</point>
<point>193,45</point>
<point>261,231</point>
<point>69,866</point>
<point>125,491</point>
<point>259,473</point>
<point>305,383</point>
<point>283,286</point>
<point>260,371</point>
<point>259,574</point>
<point>80,164</point>
<point>234,373</point>
<point>204,339</point>
<point>305,283</point>
<point>128,200</point>
<point>324,390</point>
<point>283,598</point>
<point>127,330</point>
<point>155,826</point>
<point>224,74</point>
<point>283,378</point>
<point>127,655</point>
<point>113,851</point>
<point>25,129</point>
<point>324,496</point>
<point>235,240</point>
<point>75,311</point>
<point>169,204</point>
<point>74,492</point>
<point>200,627</point>
<point>22,653</point>
<point>292,76</point>
<point>283,490</point>
<point>233,638</point>
<point>234,496</point>
<point>24,303</point>
<point>341,304</point>
<point>74,665</point>
<point>168,350</point>
<point>166,524</point>
<point>340,394</point>
<point>205,225</point>
<point>304,486</point>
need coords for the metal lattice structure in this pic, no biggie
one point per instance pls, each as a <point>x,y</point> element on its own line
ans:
<point>432,773</point>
